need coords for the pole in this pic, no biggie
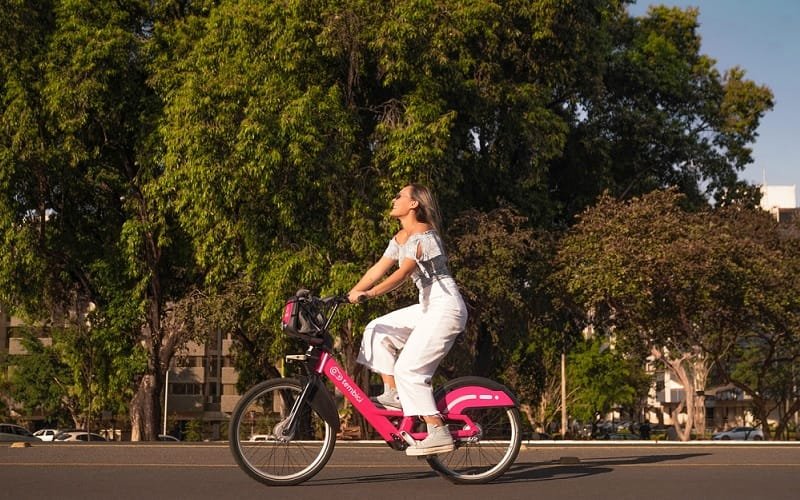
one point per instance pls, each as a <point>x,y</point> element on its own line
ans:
<point>166,394</point>
<point>563,394</point>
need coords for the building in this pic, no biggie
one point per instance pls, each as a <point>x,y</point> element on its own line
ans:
<point>201,386</point>
<point>201,382</point>
<point>780,201</point>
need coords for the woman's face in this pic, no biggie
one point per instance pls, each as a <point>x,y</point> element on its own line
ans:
<point>403,203</point>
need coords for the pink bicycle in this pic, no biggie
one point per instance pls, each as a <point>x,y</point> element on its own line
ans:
<point>283,431</point>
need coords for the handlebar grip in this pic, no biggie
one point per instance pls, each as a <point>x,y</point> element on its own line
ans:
<point>336,299</point>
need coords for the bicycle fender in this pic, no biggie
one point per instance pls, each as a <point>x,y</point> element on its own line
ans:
<point>322,402</point>
<point>473,392</point>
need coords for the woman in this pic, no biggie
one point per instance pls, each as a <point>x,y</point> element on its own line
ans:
<point>407,345</point>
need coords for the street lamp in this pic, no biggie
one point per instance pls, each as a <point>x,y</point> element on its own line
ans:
<point>166,395</point>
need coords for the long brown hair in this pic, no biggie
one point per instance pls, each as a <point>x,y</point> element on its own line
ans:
<point>428,210</point>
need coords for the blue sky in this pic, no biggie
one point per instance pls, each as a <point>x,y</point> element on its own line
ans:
<point>763,38</point>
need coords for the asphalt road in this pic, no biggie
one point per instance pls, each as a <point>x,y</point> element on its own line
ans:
<point>154,471</point>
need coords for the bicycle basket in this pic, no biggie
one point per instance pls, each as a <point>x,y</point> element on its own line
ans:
<point>301,317</point>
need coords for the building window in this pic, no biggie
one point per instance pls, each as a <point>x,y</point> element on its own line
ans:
<point>676,395</point>
<point>186,389</point>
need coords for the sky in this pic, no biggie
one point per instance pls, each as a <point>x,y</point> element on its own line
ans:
<point>763,38</point>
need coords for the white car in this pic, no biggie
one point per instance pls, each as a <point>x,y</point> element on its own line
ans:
<point>78,436</point>
<point>262,437</point>
<point>46,434</point>
<point>740,434</point>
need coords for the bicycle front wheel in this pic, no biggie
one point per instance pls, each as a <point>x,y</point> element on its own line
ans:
<point>489,454</point>
<point>262,447</point>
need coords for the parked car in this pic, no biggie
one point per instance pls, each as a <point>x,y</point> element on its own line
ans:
<point>620,436</point>
<point>46,434</point>
<point>78,436</point>
<point>740,434</point>
<point>262,437</point>
<point>16,433</point>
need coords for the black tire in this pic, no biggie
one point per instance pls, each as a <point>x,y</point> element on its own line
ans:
<point>484,459</point>
<point>270,460</point>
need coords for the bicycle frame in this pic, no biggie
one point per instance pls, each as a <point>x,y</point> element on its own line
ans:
<point>399,436</point>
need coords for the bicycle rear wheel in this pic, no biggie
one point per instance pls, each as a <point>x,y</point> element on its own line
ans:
<point>488,455</point>
<point>259,445</point>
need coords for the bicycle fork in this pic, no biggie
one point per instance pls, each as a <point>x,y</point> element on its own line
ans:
<point>314,395</point>
<point>286,429</point>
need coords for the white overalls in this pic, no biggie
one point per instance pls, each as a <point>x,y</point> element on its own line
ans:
<point>422,333</point>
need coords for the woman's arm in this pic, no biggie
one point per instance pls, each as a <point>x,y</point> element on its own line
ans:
<point>365,287</point>
<point>394,280</point>
<point>373,274</point>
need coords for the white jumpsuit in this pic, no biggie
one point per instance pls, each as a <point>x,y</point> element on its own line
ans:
<point>423,333</point>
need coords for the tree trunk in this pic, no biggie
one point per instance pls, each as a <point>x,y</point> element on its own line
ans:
<point>530,415</point>
<point>701,368</point>
<point>678,368</point>
<point>783,423</point>
<point>699,413</point>
<point>145,409</point>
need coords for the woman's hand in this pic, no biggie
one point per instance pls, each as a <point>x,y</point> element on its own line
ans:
<point>357,296</point>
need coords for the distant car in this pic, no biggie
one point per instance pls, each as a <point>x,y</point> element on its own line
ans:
<point>620,436</point>
<point>167,437</point>
<point>15,433</point>
<point>740,434</point>
<point>78,436</point>
<point>262,437</point>
<point>46,434</point>
<point>537,436</point>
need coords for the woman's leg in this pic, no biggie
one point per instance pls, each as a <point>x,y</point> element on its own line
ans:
<point>388,382</point>
<point>425,348</point>
<point>384,337</point>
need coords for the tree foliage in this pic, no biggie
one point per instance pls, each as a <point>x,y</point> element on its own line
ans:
<point>687,287</point>
<point>164,158</point>
<point>602,379</point>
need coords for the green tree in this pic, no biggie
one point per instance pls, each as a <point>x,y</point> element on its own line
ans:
<point>38,383</point>
<point>149,150</point>
<point>760,356</point>
<point>501,265</point>
<point>81,223</point>
<point>692,289</point>
<point>289,126</point>
<point>75,378</point>
<point>28,153</point>
<point>601,379</point>
<point>662,116</point>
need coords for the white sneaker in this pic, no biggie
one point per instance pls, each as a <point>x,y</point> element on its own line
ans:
<point>389,399</point>
<point>437,441</point>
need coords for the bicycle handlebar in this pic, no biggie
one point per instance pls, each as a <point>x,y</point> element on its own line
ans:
<point>335,299</point>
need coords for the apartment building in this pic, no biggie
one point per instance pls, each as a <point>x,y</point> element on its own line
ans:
<point>201,386</point>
